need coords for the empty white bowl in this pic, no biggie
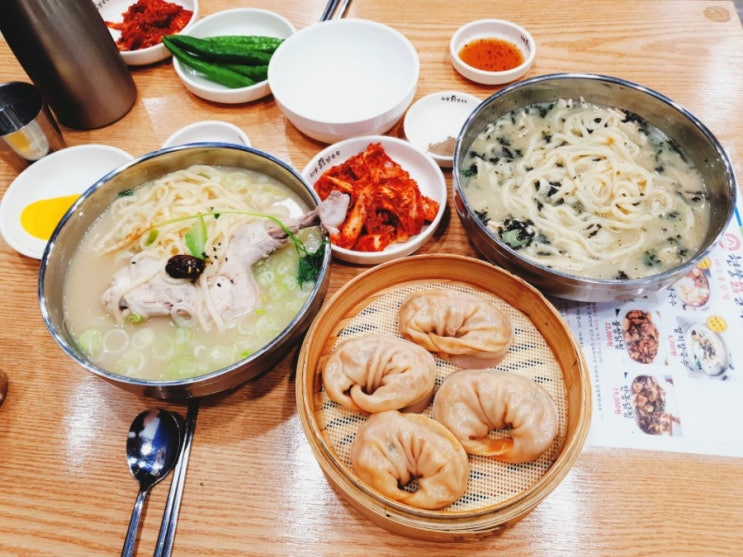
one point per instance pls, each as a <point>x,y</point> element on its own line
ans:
<point>344,78</point>
<point>208,131</point>
<point>55,181</point>
<point>492,29</point>
<point>112,11</point>
<point>239,21</point>
<point>421,168</point>
<point>433,123</point>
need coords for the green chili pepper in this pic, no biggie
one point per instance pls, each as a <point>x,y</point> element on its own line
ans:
<point>259,73</point>
<point>252,42</point>
<point>211,71</point>
<point>214,52</point>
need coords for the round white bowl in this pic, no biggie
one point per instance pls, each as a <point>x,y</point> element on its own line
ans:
<point>64,173</point>
<point>421,168</point>
<point>343,78</point>
<point>208,131</point>
<point>113,10</point>
<point>498,29</point>
<point>238,21</point>
<point>438,118</point>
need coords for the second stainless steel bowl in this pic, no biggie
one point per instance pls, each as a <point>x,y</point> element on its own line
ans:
<point>677,123</point>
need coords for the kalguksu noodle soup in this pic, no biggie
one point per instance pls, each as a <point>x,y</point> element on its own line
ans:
<point>586,190</point>
<point>130,318</point>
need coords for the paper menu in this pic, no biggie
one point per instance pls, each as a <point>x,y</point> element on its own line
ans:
<point>667,371</point>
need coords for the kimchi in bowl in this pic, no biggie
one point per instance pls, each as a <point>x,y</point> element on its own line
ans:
<point>416,170</point>
<point>136,47</point>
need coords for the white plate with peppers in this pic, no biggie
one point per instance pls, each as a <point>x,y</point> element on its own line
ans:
<point>224,57</point>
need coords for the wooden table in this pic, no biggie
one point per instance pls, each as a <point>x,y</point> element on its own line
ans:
<point>254,487</point>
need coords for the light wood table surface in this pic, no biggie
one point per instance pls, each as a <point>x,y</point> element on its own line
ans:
<point>253,486</point>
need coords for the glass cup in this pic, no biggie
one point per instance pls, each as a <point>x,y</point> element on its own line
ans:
<point>27,127</point>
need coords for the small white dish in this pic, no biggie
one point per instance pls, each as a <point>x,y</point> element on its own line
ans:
<point>492,29</point>
<point>63,174</point>
<point>344,78</point>
<point>421,168</point>
<point>433,123</point>
<point>239,21</point>
<point>113,10</point>
<point>208,131</point>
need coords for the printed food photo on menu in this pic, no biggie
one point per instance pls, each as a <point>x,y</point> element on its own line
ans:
<point>641,336</point>
<point>693,289</point>
<point>654,406</point>
<point>706,352</point>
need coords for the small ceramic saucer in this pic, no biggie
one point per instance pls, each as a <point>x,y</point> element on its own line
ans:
<point>433,123</point>
<point>40,195</point>
<point>208,130</point>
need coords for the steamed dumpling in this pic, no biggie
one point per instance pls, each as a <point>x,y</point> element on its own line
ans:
<point>391,449</point>
<point>465,329</point>
<point>471,403</point>
<point>380,372</point>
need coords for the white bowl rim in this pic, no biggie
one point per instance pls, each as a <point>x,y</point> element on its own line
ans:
<point>311,121</point>
<point>397,250</point>
<point>489,28</point>
<point>233,11</point>
<point>176,138</point>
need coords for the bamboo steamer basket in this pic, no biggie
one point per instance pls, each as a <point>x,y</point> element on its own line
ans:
<point>543,348</point>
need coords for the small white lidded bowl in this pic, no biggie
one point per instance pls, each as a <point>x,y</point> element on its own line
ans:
<point>238,21</point>
<point>209,131</point>
<point>508,34</point>
<point>113,10</point>
<point>433,123</point>
<point>344,78</point>
<point>419,166</point>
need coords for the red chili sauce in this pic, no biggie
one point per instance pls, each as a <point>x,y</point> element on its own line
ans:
<point>491,55</point>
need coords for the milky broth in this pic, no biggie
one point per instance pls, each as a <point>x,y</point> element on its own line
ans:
<point>159,349</point>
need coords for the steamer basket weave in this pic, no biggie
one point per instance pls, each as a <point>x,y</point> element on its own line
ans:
<point>543,349</point>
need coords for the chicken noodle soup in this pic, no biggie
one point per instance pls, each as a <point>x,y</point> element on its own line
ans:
<point>587,190</point>
<point>129,316</point>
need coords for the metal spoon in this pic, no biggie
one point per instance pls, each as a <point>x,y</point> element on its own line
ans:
<point>151,451</point>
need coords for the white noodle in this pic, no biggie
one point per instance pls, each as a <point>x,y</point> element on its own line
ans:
<point>600,191</point>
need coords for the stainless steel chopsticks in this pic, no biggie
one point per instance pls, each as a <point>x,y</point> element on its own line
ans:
<point>343,8</point>
<point>172,507</point>
<point>330,8</point>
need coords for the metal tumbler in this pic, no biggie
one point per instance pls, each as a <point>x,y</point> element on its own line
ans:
<point>27,127</point>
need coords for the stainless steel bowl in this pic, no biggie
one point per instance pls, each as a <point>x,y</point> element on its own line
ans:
<point>94,201</point>
<point>694,139</point>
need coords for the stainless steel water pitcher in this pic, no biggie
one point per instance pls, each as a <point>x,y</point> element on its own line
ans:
<point>68,52</point>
